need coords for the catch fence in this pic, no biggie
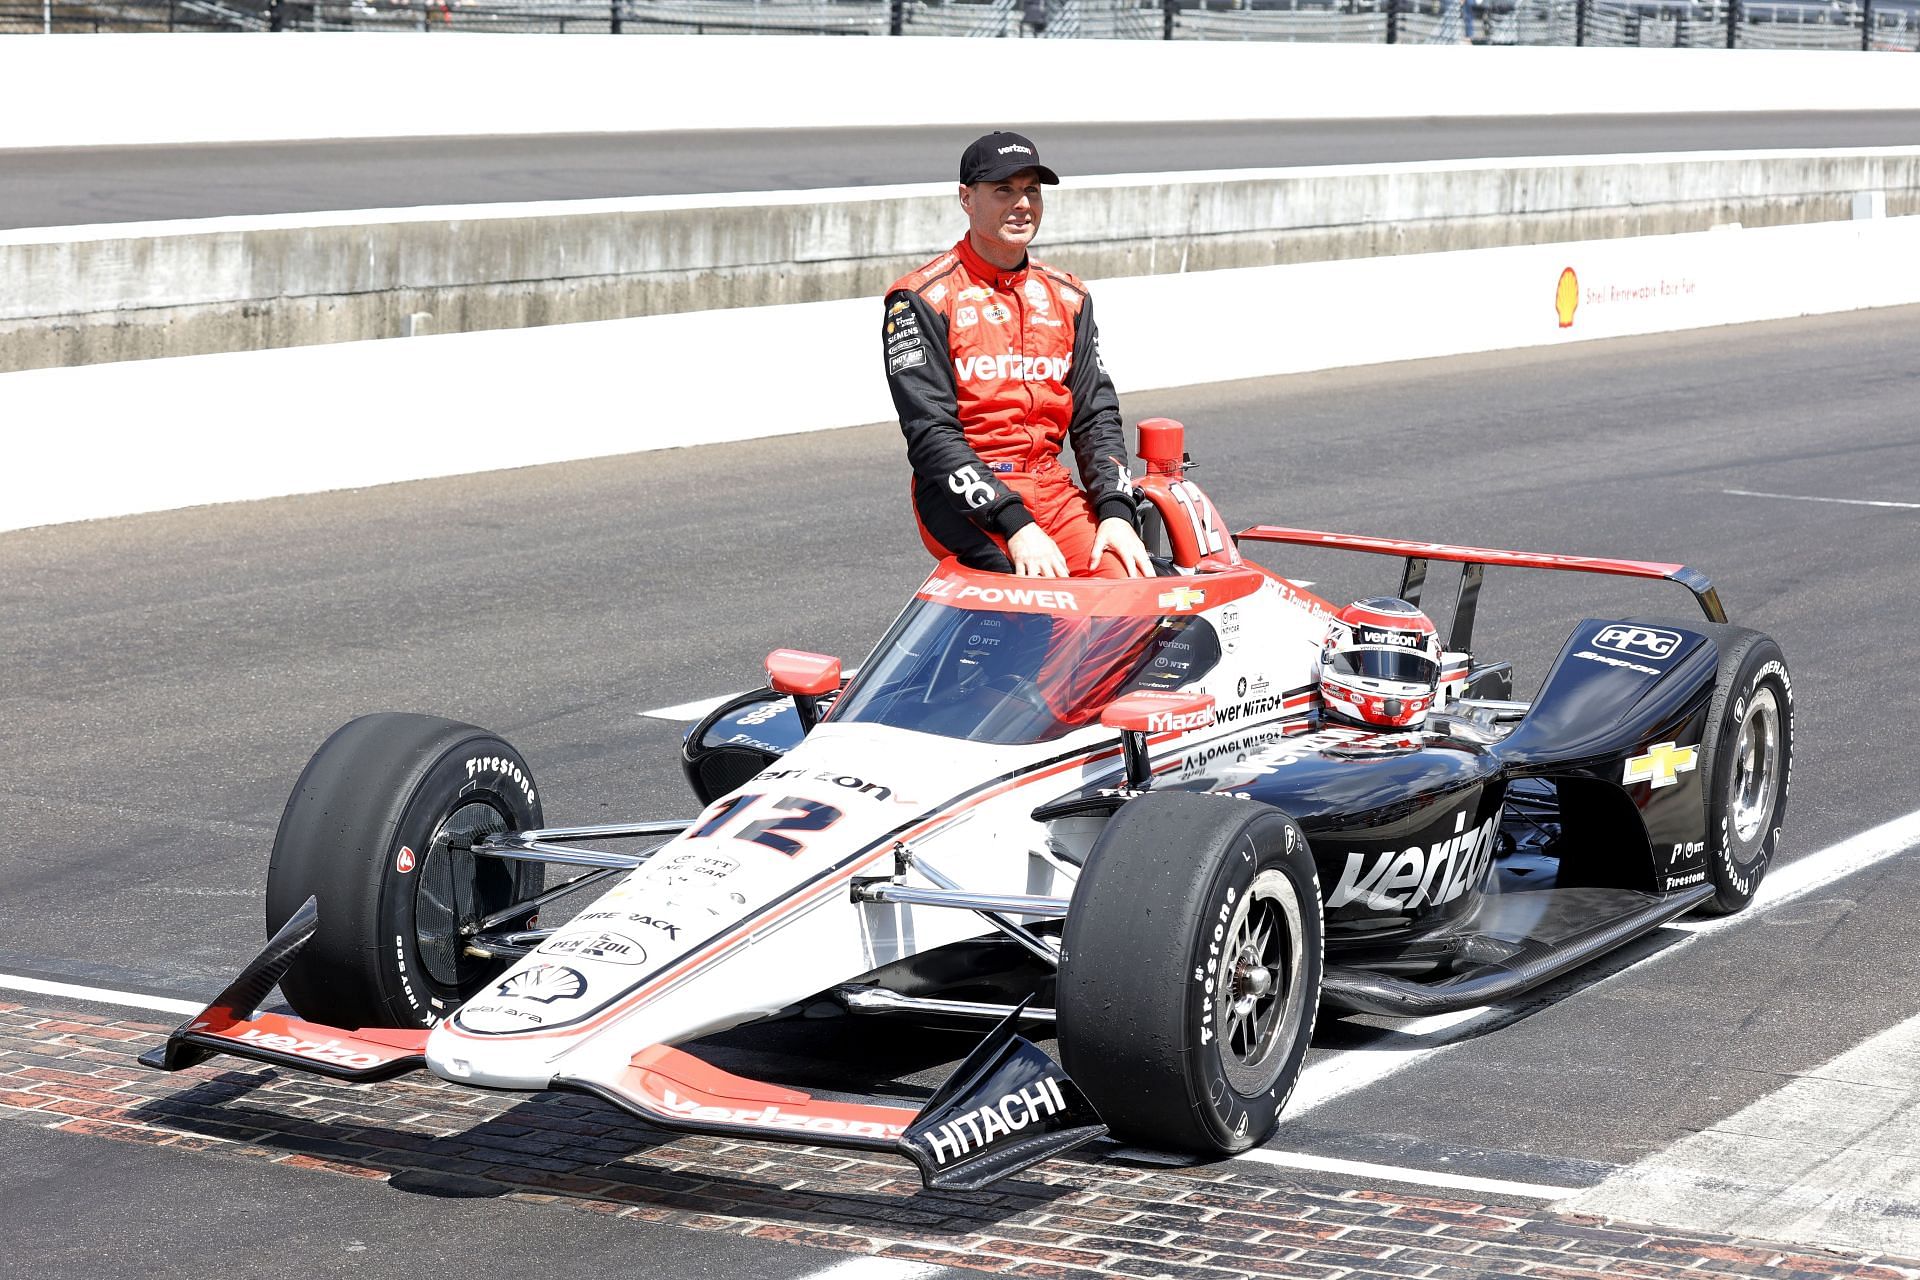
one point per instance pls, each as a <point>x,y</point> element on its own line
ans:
<point>1741,24</point>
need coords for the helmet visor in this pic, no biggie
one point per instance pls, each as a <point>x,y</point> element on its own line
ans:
<point>1399,666</point>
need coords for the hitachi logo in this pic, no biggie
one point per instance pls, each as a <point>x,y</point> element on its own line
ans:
<point>1021,368</point>
<point>977,1128</point>
<point>772,1117</point>
<point>1403,880</point>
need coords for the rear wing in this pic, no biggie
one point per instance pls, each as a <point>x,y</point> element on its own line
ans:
<point>1413,577</point>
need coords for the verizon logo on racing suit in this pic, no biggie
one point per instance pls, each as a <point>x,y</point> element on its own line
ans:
<point>772,1117</point>
<point>1403,880</point>
<point>1014,1111</point>
<point>330,1051</point>
<point>1016,367</point>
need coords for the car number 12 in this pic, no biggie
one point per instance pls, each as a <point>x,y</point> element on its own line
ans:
<point>794,814</point>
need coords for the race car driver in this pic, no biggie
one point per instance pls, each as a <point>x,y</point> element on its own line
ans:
<point>993,361</point>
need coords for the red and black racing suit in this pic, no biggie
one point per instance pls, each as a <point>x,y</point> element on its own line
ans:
<point>990,371</point>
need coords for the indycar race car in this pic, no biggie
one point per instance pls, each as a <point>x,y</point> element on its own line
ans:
<point>1113,810</point>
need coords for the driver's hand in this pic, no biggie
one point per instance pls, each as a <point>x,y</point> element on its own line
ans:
<point>1118,536</point>
<point>1035,555</point>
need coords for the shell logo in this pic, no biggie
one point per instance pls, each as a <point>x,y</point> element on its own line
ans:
<point>1566,298</point>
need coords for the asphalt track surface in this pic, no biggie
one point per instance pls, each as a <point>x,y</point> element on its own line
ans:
<point>64,187</point>
<point>166,677</point>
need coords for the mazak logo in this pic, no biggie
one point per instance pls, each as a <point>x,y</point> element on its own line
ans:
<point>1639,642</point>
<point>545,983</point>
<point>772,1117</point>
<point>1404,879</point>
<point>1017,368</point>
<point>1178,721</point>
<point>971,1130</point>
<point>328,1051</point>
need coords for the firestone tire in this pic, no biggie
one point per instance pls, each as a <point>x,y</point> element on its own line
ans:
<point>1747,758</point>
<point>367,831</point>
<point>1190,972</point>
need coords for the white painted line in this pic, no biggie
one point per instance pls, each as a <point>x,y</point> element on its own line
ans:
<point>1354,1069</point>
<point>1801,497</point>
<point>100,995</point>
<point>1415,1177</point>
<point>695,710</point>
<point>875,1269</point>
<point>1826,1159</point>
<point>689,710</point>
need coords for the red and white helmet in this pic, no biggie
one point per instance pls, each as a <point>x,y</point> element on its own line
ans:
<point>1380,665</point>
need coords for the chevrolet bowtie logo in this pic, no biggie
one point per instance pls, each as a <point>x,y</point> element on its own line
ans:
<point>1661,766</point>
<point>1180,599</point>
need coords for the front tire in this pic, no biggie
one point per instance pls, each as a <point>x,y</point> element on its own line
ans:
<point>1748,758</point>
<point>1190,972</point>
<point>370,830</point>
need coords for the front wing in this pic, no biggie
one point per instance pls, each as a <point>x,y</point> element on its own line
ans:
<point>1006,1107</point>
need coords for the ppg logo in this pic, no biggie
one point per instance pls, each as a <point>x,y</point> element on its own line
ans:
<point>1645,642</point>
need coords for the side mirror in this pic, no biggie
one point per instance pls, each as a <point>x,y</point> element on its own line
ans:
<point>1148,711</point>
<point>805,676</point>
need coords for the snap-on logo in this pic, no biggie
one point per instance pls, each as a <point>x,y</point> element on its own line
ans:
<point>1013,367</point>
<point>1645,642</point>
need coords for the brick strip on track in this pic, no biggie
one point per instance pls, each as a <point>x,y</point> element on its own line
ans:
<point>1067,1218</point>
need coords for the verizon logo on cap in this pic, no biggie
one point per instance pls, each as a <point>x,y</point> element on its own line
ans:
<point>1025,151</point>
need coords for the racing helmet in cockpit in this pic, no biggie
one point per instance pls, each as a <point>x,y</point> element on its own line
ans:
<point>1380,665</point>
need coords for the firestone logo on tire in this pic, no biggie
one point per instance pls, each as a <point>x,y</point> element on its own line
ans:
<point>405,861</point>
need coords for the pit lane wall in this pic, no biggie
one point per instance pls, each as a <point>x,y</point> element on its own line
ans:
<point>149,435</point>
<point>84,295</point>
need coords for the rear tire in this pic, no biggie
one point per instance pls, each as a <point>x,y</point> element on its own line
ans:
<point>1190,972</point>
<point>367,831</point>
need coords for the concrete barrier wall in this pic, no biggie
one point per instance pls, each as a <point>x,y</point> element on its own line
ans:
<point>126,292</point>
<point>98,90</point>
<point>148,435</point>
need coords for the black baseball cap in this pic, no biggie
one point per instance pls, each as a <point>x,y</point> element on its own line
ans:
<point>1001,155</point>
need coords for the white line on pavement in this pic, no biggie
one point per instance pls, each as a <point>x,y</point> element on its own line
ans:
<point>1415,1177</point>
<point>99,995</point>
<point>694,710</point>
<point>875,1269</point>
<point>1801,497</point>
<point>1354,1069</point>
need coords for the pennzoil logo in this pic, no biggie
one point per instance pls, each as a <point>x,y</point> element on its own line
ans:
<point>1662,765</point>
<point>613,948</point>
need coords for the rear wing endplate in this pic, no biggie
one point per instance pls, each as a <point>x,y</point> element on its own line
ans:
<point>1413,577</point>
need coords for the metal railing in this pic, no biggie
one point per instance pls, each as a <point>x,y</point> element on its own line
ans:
<point>1743,24</point>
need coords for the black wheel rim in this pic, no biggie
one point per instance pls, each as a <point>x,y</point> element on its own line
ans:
<point>455,891</point>
<point>1261,1000</point>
